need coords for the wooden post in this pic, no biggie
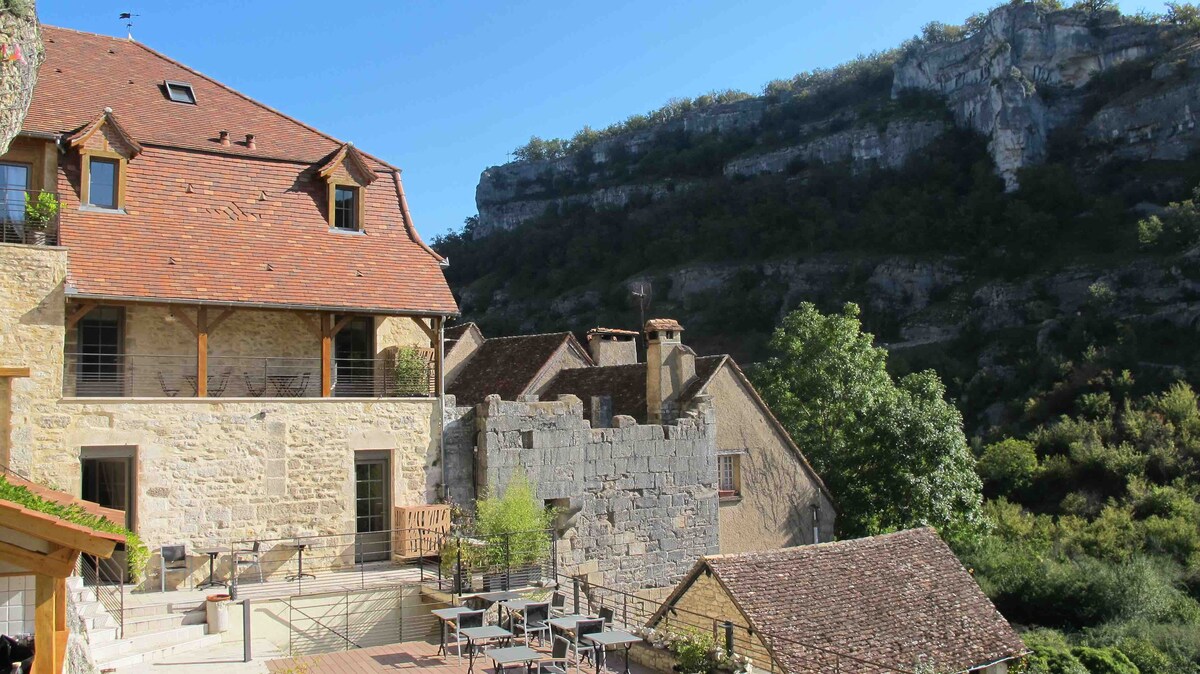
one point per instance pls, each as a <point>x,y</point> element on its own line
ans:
<point>60,604</point>
<point>202,352</point>
<point>326,355</point>
<point>44,622</point>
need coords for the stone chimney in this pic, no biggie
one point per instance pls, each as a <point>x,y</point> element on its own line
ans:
<point>610,346</point>
<point>670,366</point>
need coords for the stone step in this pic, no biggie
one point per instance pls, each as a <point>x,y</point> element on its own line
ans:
<point>102,635</point>
<point>112,651</point>
<point>136,661</point>
<point>135,625</point>
<point>74,583</point>
<point>83,595</point>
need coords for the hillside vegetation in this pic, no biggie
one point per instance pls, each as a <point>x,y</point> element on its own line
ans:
<point>1047,281</point>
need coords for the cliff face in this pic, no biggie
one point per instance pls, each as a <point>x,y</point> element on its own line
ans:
<point>18,30</point>
<point>1093,96</point>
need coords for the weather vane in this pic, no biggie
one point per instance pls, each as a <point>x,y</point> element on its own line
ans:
<point>128,18</point>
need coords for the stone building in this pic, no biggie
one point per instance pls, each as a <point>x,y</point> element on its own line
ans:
<point>654,463</point>
<point>230,329</point>
<point>896,602</point>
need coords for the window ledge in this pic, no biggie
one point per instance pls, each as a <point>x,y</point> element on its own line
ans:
<point>729,497</point>
<point>87,208</point>
<point>351,232</point>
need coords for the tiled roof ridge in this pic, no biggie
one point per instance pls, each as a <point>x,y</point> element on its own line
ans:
<point>562,334</point>
<point>798,550</point>
<point>221,85</point>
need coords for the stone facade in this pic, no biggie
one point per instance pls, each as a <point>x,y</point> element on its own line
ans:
<point>760,517</point>
<point>642,503</point>
<point>207,471</point>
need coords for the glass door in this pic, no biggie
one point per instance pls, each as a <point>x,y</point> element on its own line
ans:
<point>99,364</point>
<point>354,359</point>
<point>109,482</point>
<point>14,181</point>
<point>371,505</point>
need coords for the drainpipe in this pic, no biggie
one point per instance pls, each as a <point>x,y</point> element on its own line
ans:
<point>441,346</point>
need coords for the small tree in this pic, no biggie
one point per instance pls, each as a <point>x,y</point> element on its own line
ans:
<point>519,519</point>
<point>40,209</point>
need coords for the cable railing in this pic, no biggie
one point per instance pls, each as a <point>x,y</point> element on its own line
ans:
<point>28,217</point>
<point>123,375</point>
<point>106,577</point>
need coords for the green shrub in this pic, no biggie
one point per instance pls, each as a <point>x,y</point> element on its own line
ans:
<point>411,373</point>
<point>1104,660</point>
<point>518,518</point>
<point>1147,658</point>
<point>1008,466</point>
<point>1051,654</point>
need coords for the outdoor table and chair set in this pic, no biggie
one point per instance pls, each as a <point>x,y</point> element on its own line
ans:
<point>572,637</point>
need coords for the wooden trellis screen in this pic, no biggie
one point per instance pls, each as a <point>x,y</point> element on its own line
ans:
<point>420,529</point>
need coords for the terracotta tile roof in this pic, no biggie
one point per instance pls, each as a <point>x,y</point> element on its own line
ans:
<point>505,366</point>
<point>455,332</point>
<point>227,225</point>
<point>85,73</point>
<point>613,331</point>
<point>626,384</point>
<point>663,324</point>
<point>887,599</point>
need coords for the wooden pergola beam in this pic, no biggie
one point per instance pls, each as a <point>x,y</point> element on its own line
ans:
<point>6,372</point>
<point>326,355</point>
<point>202,352</point>
<point>429,330</point>
<point>84,309</point>
<point>216,322</point>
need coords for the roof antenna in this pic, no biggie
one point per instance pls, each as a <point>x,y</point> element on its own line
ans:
<point>128,17</point>
<point>643,295</point>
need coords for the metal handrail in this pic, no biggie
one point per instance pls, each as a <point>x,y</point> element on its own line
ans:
<point>111,596</point>
<point>15,225</point>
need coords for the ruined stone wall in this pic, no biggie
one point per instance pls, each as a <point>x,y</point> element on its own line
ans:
<point>642,499</point>
<point>459,439</point>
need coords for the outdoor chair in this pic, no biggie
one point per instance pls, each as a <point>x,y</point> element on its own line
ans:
<point>557,663</point>
<point>172,558</point>
<point>248,557</point>
<point>607,615</point>
<point>582,628</point>
<point>463,621</point>
<point>168,390</point>
<point>558,603</point>
<point>217,389</point>
<point>534,620</point>
<point>255,386</point>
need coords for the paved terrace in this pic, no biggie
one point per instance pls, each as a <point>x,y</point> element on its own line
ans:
<point>412,656</point>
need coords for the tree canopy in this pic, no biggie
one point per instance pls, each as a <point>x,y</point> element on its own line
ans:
<point>893,452</point>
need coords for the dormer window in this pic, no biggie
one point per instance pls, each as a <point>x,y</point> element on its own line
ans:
<point>105,149</point>
<point>345,207</point>
<point>180,92</point>
<point>346,176</point>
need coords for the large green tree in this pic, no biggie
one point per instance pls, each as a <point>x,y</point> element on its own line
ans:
<point>893,452</point>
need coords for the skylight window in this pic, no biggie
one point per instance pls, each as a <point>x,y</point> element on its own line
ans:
<point>180,92</point>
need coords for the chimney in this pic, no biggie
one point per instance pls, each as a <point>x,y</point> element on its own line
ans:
<point>610,346</point>
<point>670,366</point>
<point>223,138</point>
<point>250,141</point>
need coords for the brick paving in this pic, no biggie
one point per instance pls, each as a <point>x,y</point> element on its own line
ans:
<point>411,656</point>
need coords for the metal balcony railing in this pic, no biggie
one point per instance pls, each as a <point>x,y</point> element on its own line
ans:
<point>28,216</point>
<point>111,375</point>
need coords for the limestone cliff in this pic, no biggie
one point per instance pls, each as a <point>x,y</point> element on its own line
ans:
<point>22,54</point>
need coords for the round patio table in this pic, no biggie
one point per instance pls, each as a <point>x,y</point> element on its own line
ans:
<point>212,581</point>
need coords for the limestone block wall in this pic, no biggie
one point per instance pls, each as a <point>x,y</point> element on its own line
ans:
<point>211,473</point>
<point>705,603</point>
<point>642,499</point>
<point>31,335</point>
<point>459,439</point>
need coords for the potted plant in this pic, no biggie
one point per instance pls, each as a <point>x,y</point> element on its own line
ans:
<point>411,374</point>
<point>39,213</point>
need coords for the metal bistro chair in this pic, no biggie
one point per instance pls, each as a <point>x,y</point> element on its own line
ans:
<point>248,557</point>
<point>167,389</point>
<point>608,615</point>
<point>462,621</point>
<point>558,603</point>
<point>172,558</point>
<point>582,629</point>
<point>557,663</point>
<point>535,619</point>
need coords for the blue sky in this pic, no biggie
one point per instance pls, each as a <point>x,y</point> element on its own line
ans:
<point>445,89</point>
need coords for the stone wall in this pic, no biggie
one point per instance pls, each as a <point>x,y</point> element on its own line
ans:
<point>31,335</point>
<point>706,602</point>
<point>459,443</point>
<point>642,499</point>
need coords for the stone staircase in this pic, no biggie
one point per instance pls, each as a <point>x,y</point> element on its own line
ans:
<point>151,632</point>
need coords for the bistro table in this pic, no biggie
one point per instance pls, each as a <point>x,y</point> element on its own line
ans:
<point>212,581</point>
<point>566,625</point>
<point>602,640</point>
<point>477,634</point>
<point>513,655</point>
<point>493,598</point>
<point>446,616</point>
<point>285,385</point>
<point>299,547</point>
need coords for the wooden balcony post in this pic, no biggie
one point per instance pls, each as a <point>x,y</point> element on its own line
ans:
<point>326,355</point>
<point>44,623</point>
<point>202,352</point>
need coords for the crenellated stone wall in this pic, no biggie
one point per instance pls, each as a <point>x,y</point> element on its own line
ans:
<point>642,498</point>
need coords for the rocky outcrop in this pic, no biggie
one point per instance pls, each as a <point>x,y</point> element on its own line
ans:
<point>507,215</point>
<point>865,147</point>
<point>19,62</point>
<point>992,79</point>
